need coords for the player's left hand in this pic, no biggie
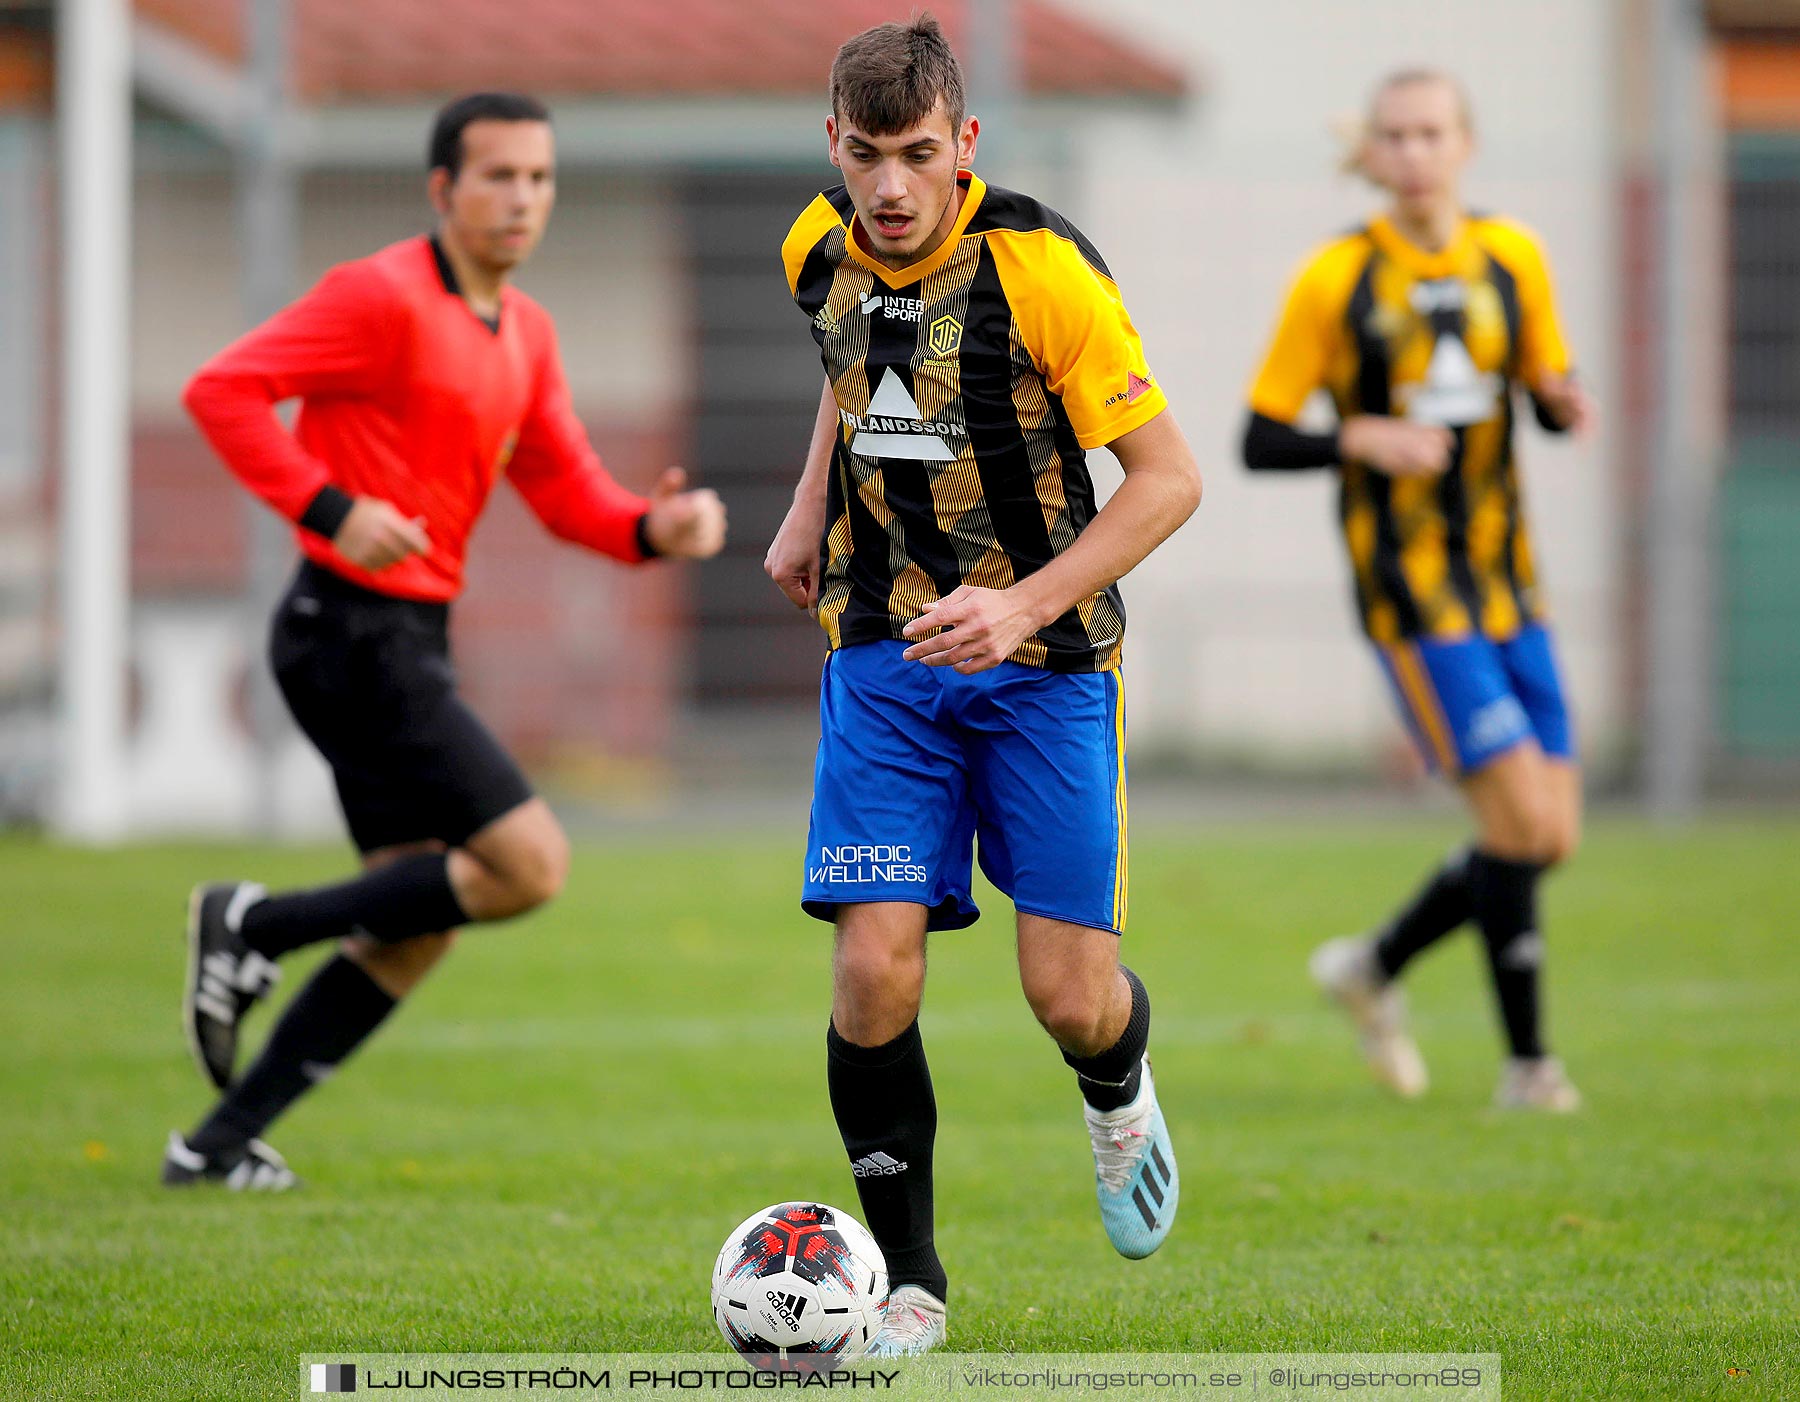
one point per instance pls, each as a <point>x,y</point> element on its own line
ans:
<point>683,524</point>
<point>1568,402</point>
<point>981,629</point>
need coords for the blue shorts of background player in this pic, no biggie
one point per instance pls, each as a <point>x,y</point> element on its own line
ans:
<point>1469,700</point>
<point>918,765</point>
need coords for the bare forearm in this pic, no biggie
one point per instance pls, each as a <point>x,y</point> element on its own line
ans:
<point>810,491</point>
<point>793,558</point>
<point>1160,491</point>
<point>1147,509</point>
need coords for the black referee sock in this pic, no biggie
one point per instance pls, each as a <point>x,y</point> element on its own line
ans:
<point>327,1020</point>
<point>1112,1078</point>
<point>1504,896</point>
<point>887,1116</point>
<point>411,896</point>
<point>1441,906</point>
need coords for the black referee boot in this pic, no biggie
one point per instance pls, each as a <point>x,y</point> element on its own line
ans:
<point>225,977</point>
<point>255,1168</point>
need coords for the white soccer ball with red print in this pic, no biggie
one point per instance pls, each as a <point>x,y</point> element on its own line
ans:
<point>799,1278</point>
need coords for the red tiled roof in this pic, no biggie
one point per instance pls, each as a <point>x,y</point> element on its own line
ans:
<point>386,50</point>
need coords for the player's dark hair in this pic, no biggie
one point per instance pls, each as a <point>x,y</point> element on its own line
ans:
<point>446,149</point>
<point>888,79</point>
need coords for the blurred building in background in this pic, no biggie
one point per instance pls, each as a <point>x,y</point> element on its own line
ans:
<point>1193,142</point>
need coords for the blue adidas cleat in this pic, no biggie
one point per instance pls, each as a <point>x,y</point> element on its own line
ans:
<point>1135,1176</point>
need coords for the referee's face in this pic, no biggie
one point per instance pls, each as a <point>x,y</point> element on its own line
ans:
<point>500,201</point>
<point>903,184</point>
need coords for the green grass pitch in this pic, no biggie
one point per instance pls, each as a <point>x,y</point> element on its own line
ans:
<point>545,1149</point>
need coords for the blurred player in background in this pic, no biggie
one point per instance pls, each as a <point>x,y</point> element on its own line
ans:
<point>423,377</point>
<point>1420,325</point>
<point>946,534</point>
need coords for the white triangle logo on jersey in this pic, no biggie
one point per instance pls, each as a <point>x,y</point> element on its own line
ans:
<point>894,427</point>
<point>1454,394</point>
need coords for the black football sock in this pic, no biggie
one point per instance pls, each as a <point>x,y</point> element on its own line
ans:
<point>408,897</point>
<point>327,1020</point>
<point>1504,895</point>
<point>1112,1078</point>
<point>1441,906</point>
<point>887,1115</point>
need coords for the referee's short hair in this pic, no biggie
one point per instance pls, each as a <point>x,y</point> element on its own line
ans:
<point>446,149</point>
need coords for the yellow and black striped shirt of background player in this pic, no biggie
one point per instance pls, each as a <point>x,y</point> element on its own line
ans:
<point>968,387</point>
<point>1388,328</point>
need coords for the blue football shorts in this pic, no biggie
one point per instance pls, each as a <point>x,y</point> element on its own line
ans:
<point>918,765</point>
<point>1469,700</point>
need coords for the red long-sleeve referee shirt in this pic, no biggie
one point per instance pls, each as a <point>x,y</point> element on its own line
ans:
<point>407,395</point>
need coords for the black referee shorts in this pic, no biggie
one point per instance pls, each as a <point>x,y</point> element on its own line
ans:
<point>368,678</point>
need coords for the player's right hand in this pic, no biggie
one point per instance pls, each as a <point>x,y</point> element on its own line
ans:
<point>1398,447</point>
<point>375,535</point>
<point>793,558</point>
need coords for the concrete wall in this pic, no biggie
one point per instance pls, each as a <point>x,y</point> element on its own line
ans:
<point>1244,634</point>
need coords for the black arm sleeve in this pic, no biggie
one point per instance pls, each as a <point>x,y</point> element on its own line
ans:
<point>1272,446</point>
<point>325,513</point>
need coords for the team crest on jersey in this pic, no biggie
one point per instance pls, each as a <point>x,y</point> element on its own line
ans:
<point>945,336</point>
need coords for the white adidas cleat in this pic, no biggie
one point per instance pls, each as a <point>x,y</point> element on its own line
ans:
<point>1537,1083</point>
<point>915,1322</point>
<point>1345,970</point>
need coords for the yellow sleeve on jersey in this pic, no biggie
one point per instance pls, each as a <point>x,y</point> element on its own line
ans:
<point>815,221</point>
<point>1307,336</point>
<point>1542,349</point>
<point>1078,333</point>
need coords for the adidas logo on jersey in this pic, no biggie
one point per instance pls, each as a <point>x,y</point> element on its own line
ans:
<point>877,1165</point>
<point>893,427</point>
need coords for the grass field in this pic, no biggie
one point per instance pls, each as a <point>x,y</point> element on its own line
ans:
<point>543,1152</point>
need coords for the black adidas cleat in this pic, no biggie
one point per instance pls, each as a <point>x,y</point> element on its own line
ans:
<point>224,976</point>
<point>256,1168</point>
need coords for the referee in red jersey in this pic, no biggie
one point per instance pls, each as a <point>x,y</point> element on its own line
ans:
<point>423,377</point>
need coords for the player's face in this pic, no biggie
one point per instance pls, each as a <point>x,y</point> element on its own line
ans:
<point>1418,143</point>
<point>904,184</point>
<point>500,201</point>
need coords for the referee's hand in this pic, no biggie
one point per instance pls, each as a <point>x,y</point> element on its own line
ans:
<point>685,525</point>
<point>375,535</point>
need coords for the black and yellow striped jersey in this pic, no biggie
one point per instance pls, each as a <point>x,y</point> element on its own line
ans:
<point>968,387</point>
<point>1443,338</point>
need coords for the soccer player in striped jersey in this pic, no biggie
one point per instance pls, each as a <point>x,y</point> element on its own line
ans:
<point>423,379</point>
<point>1421,326</point>
<point>945,531</point>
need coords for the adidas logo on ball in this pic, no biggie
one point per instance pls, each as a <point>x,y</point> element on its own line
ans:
<point>789,1307</point>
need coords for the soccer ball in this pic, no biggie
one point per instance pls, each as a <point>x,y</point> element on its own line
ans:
<point>799,1278</point>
